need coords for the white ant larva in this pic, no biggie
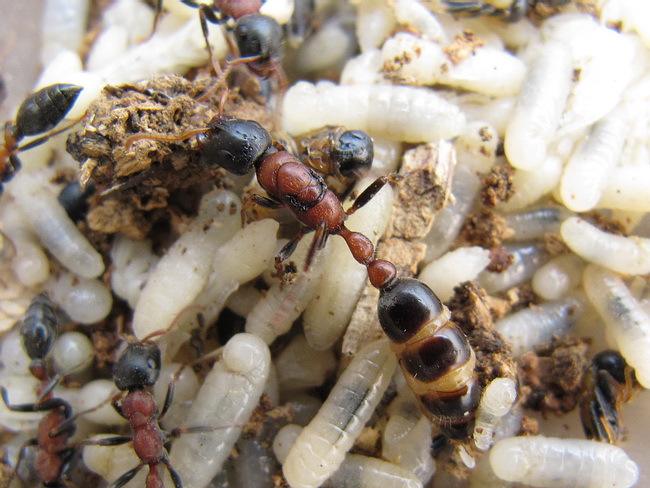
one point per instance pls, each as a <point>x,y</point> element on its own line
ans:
<point>526,259</point>
<point>56,231</point>
<point>497,400</point>
<point>587,170</point>
<point>629,255</point>
<point>626,189</point>
<point>538,324</point>
<point>404,113</point>
<point>539,107</point>
<point>181,273</point>
<point>549,462</point>
<point>534,224</point>
<point>228,396</point>
<point>322,446</point>
<point>624,317</point>
<point>557,277</point>
<point>86,301</point>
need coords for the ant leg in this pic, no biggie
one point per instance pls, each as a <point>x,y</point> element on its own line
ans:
<point>169,396</point>
<point>40,140</point>
<point>126,477</point>
<point>221,79</point>
<point>266,202</point>
<point>156,18</point>
<point>68,424</point>
<point>108,441</point>
<point>21,456</point>
<point>371,191</point>
<point>317,243</point>
<point>163,137</point>
<point>199,429</point>
<point>288,249</point>
<point>37,407</point>
<point>207,15</point>
<point>176,478</point>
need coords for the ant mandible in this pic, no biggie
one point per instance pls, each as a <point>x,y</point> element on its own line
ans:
<point>40,112</point>
<point>53,456</point>
<point>239,146</point>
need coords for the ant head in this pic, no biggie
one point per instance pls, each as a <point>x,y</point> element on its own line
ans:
<point>39,327</point>
<point>612,362</point>
<point>235,145</point>
<point>353,151</point>
<point>137,367</point>
<point>258,35</point>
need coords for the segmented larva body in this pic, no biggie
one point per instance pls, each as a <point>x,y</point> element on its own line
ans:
<point>321,447</point>
<point>434,354</point>
<point>549,462</point>
<point>496,402</point>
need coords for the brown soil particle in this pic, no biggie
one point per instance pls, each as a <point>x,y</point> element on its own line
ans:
<point>551,377</point>
<point>500,259</point>
<point>554,245</point>
<point>497,185</point>
<point>604,223</point>
<point>484,228</point>
<point>469,309</point>
<point>463,46</point>
<point>529,426</point>
<point>135,184</point>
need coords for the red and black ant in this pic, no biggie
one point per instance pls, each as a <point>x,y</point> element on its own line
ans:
<point>39,113</point>
<point>53,456</point>
<point>135,372</point>
<point>435,355</point>
<point>239,146</point>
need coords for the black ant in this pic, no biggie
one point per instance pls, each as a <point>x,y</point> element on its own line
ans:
<point>38,331</point>
<point>608,384</point>
<point>513,12</point>
<point>40,112</point>
<point>334,151</point>
<point>435,355</point>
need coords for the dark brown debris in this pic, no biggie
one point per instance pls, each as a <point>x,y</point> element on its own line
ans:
<point>484,228</point>
<point>551,377</point>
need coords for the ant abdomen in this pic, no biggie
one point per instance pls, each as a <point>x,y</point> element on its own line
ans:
<point>434,354</point>
<point>43,110</point>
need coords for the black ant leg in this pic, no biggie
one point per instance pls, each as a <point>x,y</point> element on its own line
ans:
<point>37,407</point>
<point>41,140</point>
<point>68,424</point>
<point>126,477</point>
<point>266,202</point>
<point>207,15</point>
<point>371,191</point>
<point>21,456</point>
<point>176,478</point>
<point>317,243</point>
<point>288,249</point>
<point>156,18</point>
<point>169,396</point>
<point>108,441</point>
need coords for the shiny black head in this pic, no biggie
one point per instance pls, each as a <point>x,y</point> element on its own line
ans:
<point>612,362</point>
<point>258,35</point>
<point>137,367</point>
<point>235,145</point>
<point>405,306</point>
<point>44,109</point>
<point>74,199</point>
<point>39,327</point>
<point>353,152</point>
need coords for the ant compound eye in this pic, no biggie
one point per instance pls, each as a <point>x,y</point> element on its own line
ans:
<point>354,151</point>
<point>137,367</point>
<point>235,145</point>
<point>258,35</point>
<point>39,327</point>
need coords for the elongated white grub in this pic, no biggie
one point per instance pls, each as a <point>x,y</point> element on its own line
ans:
<point>453,268</point>
<point>535,223</point>
<point>539,107</point>
<point>624,317</point>
<point>396,112</point>
<point>182,272</point>
<point>629,255</point>
<point>526,259</point>
<point>534,326</point>
<point>133,262</point>
<point>322,445</point>
<point>549,462</point>
<point>227,398</point>
<point>497,400</point>
<point>300,367</point>
<point>85,301</point>
<point>54,228</point>
<point>326,317</point>
<point>625,189</point>
<point>532,185</point>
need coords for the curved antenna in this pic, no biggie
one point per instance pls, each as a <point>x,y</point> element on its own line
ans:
<point>163,137</point>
